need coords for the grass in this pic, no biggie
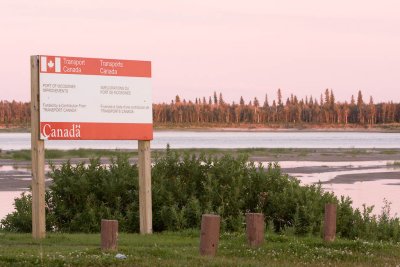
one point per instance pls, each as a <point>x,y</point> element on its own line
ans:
<point>355,152</point>
<point>389,152</point>
<point>274,153</point>
<point>182,249</point>
<point>25,155</point>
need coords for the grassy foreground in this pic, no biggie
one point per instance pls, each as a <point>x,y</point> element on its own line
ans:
<point>182,249</point>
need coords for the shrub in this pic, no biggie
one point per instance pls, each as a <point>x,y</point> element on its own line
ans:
<point>82,195</point>
<point>186,186</point>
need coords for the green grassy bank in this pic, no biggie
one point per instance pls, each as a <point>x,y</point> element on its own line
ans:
<point>274,154</point>
<point>182,249</point>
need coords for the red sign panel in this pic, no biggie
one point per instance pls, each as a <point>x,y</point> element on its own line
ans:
<point>95,66</point>
<point>95,99</point>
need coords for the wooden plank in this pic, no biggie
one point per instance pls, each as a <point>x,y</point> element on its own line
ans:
<point>145,205</point>
<point>37,147</point>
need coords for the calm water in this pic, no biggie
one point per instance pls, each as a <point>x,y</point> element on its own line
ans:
<point>369,192</point>
<point>189,139</point>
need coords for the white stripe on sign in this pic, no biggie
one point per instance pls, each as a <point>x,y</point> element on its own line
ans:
<point>43,63</point>
<point>58,64</point>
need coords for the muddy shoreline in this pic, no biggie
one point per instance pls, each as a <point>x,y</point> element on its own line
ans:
<point>365,177</point>
<point>393,128</point>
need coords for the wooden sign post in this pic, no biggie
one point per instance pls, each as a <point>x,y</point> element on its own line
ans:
<point>75,98</point>
<point>145,207</point>
<point>38,179</point>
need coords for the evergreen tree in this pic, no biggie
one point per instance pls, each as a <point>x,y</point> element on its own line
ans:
<point>215,98</point>
<point>266,105</point>
<point>279,97</point>
<point>221,100</point>
<point>241,102</point>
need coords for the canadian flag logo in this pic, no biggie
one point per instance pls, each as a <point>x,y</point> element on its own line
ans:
<point>50,64</point>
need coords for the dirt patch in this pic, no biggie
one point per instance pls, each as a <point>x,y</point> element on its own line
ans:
<point>364,177</point>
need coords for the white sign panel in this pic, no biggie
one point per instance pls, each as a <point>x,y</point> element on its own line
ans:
<point>95,99</point>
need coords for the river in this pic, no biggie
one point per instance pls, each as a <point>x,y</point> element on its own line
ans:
<point>221,139</point>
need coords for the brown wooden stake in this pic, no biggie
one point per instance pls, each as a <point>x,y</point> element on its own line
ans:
<point>255,229</point>
<point>145,207</point>
<point>330,222</point>
<point>37,148</point>
<point>209,235</point>
<point>109,234</point>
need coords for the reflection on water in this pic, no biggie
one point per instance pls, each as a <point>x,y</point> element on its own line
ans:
<point>7,201</point>
<point>295,164</point>
<point>369,192</point>
<point>326,177</point>
<point>6,168</point>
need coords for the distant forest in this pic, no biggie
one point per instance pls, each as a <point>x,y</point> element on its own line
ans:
<point>325,110</point>
<point>214,111</point>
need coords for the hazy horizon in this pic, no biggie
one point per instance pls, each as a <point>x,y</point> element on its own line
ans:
<point>232,47</point>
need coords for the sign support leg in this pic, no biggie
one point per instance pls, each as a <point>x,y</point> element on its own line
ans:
<point>145,205</point>
<point>37,147</point>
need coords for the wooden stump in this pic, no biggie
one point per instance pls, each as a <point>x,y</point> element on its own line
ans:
<point>109,234</point>
<point>255,229</point>
<point>209,235</point>
<point>330,222</point>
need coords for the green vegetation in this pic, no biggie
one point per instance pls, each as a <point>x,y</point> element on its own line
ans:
<point>51,154</point>
<point>389,152</point>
<point>266,153</point>
<point>25,155</point>
<point>184,186</point>
<point>182,249</point>
<point>355,152</point>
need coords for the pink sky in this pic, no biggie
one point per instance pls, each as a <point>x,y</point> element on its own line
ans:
<point>246,48</point>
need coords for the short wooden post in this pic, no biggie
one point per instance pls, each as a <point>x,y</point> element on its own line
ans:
<point>109,234</point>
<point>255,229</point>
<point>330,222</point>
<point>145,207</point>
<point>37,150</point>
<point>209,235</point>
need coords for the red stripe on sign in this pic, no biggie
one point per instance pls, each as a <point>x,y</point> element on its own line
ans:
<point>95,131</point>
<point>94,66</point>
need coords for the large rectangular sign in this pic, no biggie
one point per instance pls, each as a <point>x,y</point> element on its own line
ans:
<point>95,99</point>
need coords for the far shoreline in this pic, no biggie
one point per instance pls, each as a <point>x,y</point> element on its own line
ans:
<point>22,157</point>
<point>250,128</point>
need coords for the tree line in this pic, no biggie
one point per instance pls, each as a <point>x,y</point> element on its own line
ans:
<point>215,111</point>
<point>15,113</point>
<point>325,110</point>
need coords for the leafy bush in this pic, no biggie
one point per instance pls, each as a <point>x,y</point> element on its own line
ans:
<point>83,195</point>
<point>186,186</point>
<point>21,219</point>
